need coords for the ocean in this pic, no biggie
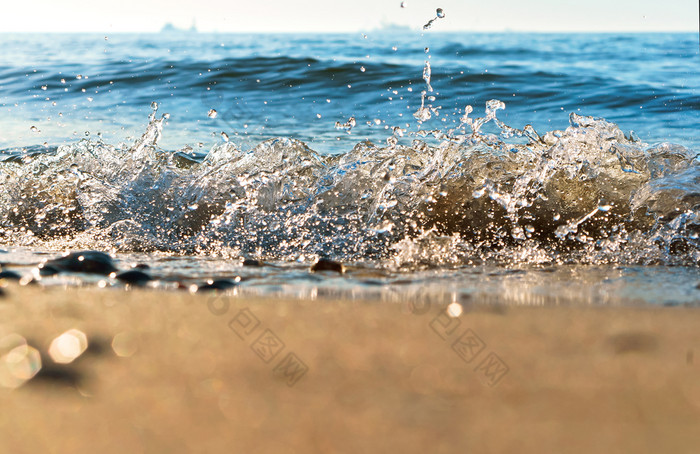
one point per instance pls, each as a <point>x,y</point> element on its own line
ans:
<point>509,168</point>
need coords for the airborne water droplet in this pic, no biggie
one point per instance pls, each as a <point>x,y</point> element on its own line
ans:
<point>154,105</point>
<point>362,68</point>
<point>403,4</point>
<point>212,113</point>
<point>79,76</point>
<point>44,87</point>
<point>440,13</point>
<point>34,129</point>
<point>224,136</point>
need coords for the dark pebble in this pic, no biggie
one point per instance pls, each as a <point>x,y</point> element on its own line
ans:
<point>10,275</point>
<point>141,266</point>
<point>93,262</point>
<point>48,270</point>
<point>217,284</point>
<point>253,262</point>
<point>327,265</point>
<point>134,277</point>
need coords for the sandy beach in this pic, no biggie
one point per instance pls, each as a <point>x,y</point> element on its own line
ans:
<point>177,372</point>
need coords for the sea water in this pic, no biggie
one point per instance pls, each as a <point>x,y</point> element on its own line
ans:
<point>513,168</point>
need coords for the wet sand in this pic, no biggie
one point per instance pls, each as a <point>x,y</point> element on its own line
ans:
<point>174,372</point>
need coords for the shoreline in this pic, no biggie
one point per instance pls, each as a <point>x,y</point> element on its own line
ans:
<point>177,372</point>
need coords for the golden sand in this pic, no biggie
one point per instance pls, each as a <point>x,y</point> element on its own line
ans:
<point>170,372</point>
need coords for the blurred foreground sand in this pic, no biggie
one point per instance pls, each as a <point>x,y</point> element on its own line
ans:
<point>174,372</point>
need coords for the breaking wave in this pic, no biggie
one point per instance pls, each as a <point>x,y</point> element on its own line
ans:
<point>588,194</point>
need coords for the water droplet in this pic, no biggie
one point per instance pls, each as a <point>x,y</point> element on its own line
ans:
<point>427,74</point>
<point>212,113</point>
<point>63,81</point>
<point>394,48</point>
<point>154,105</point>
<point>440,13</point>
<point>318,115</point>
<point>90,98</point>
<point>44,87</point>
<point>403,4</point>
<point>79,76</point>
<point>348,125</point>
<point>224,136</point>
<point>34,129</point>
<point>362,68</point>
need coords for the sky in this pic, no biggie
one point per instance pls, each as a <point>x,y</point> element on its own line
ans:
<point>110,16</point>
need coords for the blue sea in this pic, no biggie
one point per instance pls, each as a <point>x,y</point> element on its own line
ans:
<point>504,167</point>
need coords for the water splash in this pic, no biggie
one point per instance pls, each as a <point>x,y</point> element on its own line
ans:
<point>347,126</point>
<point>587,194</point>
<point>439,14</point>
<point>427,73</point>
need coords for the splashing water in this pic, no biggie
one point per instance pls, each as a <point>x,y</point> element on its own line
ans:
<point>439,14</point>
<point>427,72</point>
<point>347,126</point>
<point>585,195</point>
<point>472,193</point>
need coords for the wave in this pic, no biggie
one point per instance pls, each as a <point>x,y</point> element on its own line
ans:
<point>587,194</point>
